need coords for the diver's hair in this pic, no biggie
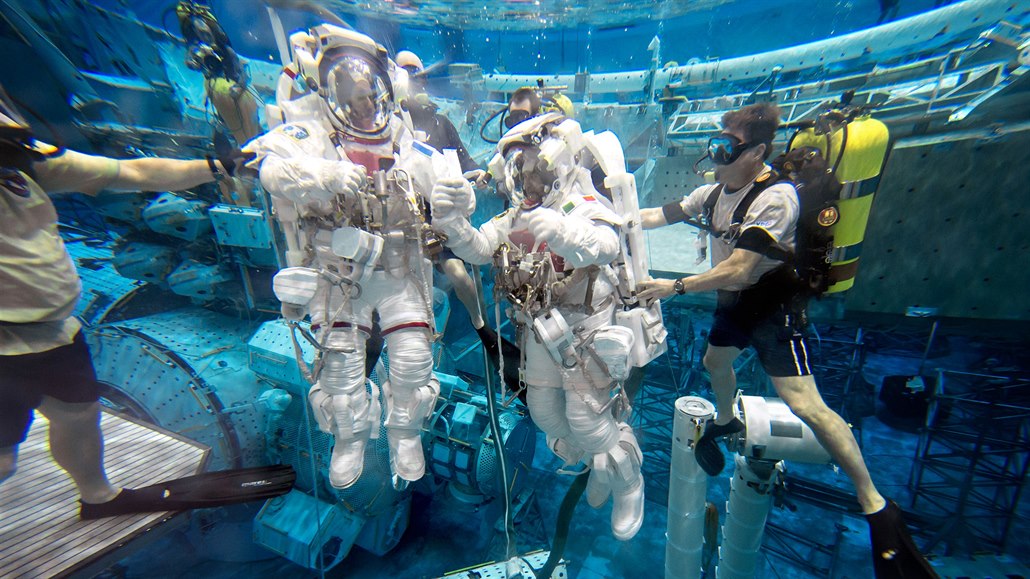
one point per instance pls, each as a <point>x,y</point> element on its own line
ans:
<point>758,122</point>
<point>527,94</point>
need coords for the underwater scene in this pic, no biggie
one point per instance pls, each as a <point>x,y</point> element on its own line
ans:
<point>515,289</point>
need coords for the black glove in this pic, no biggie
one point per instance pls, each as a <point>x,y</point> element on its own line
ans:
<point>229,155</point>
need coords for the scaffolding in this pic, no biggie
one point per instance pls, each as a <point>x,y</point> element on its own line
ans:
<point>972,459</point>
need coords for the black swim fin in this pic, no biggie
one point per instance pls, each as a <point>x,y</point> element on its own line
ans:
<point>512,358</point>
<point>707,452</point>
<point>209,489</point>
<point>895,556</point>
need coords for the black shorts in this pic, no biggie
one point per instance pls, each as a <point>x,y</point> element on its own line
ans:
<point>64,373</point>
<point>770,324</point>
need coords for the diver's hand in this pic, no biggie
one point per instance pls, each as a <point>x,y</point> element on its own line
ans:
<point>545,224</point>
<point>349,178</point>
<point>230,156</point>
<point>655,289</point>
<point>450,199</point>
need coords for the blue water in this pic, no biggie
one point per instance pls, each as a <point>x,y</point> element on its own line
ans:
<point>147,102</point>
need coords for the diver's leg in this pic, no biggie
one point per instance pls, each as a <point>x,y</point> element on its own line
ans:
<point>802,396</point>
<point>77,445</point>
<point>465,289</point>
<point>718,361</point>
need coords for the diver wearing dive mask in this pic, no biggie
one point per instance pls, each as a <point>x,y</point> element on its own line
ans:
<point>726,149</point>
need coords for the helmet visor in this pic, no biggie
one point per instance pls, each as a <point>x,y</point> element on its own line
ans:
<point>358,96</point>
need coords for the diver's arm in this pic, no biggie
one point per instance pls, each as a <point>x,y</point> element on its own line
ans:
<point>159,174</point>
<point>71,171</point>
<point>735,270</point>
<point>652,217</point>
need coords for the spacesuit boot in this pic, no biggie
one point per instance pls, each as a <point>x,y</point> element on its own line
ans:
<point>348,460</point>
<point>619,470</point>
<point>345,416</point>
<point>408,413</point>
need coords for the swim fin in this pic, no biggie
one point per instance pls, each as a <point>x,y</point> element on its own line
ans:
<point>707,451</point>
<point>512,358</point>
<point>209,489</point>
<point>894,553</point>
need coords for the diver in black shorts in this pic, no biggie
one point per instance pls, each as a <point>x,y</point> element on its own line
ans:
<point>759,306</point>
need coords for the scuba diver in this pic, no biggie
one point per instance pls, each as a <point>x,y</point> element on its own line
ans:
<point>552,252</point>
<point>45,363</point>
<point>209,51</point>
<point>762,303</point>
<point>347,180</point>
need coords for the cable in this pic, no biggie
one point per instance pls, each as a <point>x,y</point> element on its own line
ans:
<point>561,526</point>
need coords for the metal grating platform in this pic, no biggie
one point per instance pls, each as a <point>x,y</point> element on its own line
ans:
<point>40,531</point>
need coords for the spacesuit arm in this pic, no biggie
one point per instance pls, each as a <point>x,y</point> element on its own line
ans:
<point>475,246</point>
<point>307,181</point>
<point>581,241</point>
<point>291,168</point>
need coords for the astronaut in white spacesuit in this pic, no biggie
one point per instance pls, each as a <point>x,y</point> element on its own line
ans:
<point>347,181</point>
<point>552,252</point>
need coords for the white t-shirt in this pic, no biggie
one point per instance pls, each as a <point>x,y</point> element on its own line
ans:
<point>775,211</point>
<point>39,286</point>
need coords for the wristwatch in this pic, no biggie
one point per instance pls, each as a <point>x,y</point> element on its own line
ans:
<point>678,286</point>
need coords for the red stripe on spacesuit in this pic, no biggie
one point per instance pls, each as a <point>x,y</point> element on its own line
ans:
<point>366,329</point>
<point>405,326</point>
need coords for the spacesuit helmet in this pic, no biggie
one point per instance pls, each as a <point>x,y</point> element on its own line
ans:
<point>528,180</point>
<point>354,81</point>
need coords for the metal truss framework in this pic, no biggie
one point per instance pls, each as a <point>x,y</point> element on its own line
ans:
<point>973,458</point>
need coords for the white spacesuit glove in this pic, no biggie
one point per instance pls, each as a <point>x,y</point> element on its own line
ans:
<point>293,312</point>
<point>348,178</point>
<point>574,238</point>
<point>544,224</point>
<point>451,199</point>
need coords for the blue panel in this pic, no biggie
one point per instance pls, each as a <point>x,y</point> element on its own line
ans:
<point>240,226</point>
<point>298,527</point>
<point>272,356</point>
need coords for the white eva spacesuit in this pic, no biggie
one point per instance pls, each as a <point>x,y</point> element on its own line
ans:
<point>346,180</point>
<point>553,252</point>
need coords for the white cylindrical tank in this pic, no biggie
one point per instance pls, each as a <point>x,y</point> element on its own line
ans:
<point>688,485</point>
<point>775,433</point>
<point>746,511</point>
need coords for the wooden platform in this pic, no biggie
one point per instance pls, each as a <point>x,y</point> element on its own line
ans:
<point>40,531</point>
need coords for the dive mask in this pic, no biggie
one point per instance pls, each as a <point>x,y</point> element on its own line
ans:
<point>725,149</point>
<point>515,117</point>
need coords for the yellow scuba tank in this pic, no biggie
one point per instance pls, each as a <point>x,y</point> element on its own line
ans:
<point>854,149</point>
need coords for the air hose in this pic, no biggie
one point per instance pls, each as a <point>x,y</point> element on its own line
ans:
<point>561,527</point>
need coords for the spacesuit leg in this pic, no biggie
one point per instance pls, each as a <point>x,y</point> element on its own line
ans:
<point>412,393</point>
<point>616,456</point>
<point>547,409</point>
<point>342,406</point>
<point>545,399</point>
